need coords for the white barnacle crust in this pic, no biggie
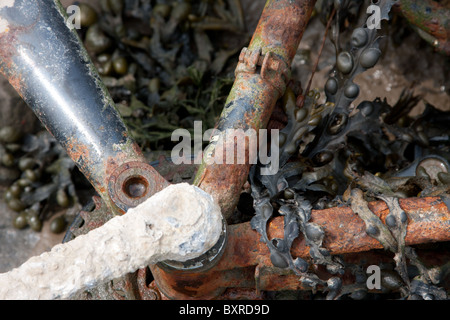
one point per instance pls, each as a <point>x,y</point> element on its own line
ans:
<point>4,24</point>
<point>7,3</point>
<point>178,223</point>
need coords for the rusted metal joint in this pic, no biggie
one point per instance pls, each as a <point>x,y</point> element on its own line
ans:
<point>132,183</point>
<point>273,69</point>
<point>253,96</point>
<point>204,262</point>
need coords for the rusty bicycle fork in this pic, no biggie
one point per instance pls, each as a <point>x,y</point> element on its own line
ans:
<point>48,66</point>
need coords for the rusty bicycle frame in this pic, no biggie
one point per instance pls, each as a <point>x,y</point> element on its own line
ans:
<point>48,66</point>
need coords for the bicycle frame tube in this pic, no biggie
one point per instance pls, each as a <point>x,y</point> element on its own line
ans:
<point>246,261</point>
<point>46,63</point>
<point>261,78</point>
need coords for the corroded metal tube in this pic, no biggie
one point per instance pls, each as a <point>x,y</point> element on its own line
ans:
<point>261,77</point>
<point>432,19</point>
<point>46,63</point>
<point>246,261</point>
<point>181,222</point>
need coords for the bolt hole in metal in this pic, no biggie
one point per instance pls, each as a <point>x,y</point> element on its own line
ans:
<point>135,187</point>
<point>132,183</point>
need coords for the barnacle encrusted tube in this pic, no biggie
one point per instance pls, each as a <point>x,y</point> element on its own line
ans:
<point>179,223</point>
<point>260,81</point>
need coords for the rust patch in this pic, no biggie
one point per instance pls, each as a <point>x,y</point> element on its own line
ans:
<point>8,42</point>
<point>132,183</point>
<point>344,234</point>
<point>8,50</point>
<point>277,37</point>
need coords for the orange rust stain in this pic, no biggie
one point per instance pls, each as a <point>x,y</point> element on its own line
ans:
<point>16,83</point>
<point>77,150</point>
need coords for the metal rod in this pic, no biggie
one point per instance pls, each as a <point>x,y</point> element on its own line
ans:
<point>261,77</point>
<point>428,222</point>
<point>155,230</point>
<point>46,63</point>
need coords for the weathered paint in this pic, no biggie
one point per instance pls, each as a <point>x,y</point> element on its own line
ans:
<point>253,96</point>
